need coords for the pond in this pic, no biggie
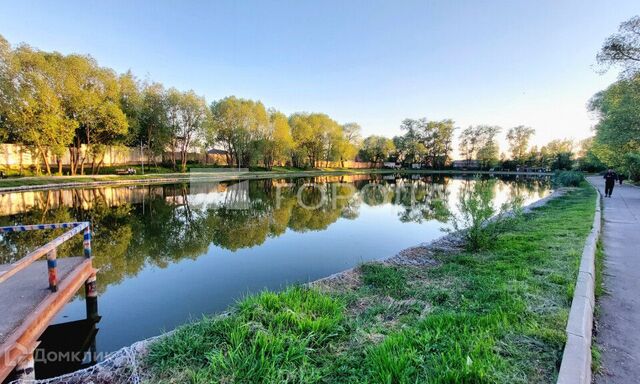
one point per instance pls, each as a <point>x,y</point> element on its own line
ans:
<point>170,253</point>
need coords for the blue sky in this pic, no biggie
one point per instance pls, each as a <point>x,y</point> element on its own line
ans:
<point>373,62</point>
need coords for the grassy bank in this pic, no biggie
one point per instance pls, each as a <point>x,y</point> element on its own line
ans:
<point>497,315</point>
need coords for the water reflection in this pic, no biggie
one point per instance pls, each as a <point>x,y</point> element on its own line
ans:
<point>168,252</point>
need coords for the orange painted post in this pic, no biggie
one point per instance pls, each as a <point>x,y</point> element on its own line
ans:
<point>91,299</point>
<point>52,264</point>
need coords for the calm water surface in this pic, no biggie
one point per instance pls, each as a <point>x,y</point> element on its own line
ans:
<point>170,253</point>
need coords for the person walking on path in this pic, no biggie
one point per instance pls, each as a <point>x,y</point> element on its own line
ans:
<point>609,182</point>
<point>618,314</point>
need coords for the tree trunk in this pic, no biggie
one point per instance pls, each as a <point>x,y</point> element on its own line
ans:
<point>100,165</point>
<point>45,159</point>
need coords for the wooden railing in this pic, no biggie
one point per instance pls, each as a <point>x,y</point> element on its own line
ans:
<point>49,249</point>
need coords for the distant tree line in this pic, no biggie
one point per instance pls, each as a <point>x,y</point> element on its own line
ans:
<point>57,104</point>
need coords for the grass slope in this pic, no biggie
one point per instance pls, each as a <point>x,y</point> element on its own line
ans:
<point>496,316</point>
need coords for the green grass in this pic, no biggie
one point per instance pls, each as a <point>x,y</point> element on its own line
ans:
<point>386,280</point>
<point>494,316</point>
<point>269,338</point>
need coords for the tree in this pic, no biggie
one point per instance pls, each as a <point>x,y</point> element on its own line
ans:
<point>278,142</point>
<point>489,151</point>
<point>6,87</point>
<point>618,128</point>
<point>469,138</point>
<point>153,121</point>
<point>349,142</point>
<point>518,138</point>
<point>376,148</point>
<point>623,48</point>
<point>587,159</point>
<point>193,117</point>
<point>91,97</point>
<point>479,143</point>
<point>315,136</point>
<point>437,137</point>
<point>239,125</point>
<point>410,147</point>
<point>35,113</point>
<point>557,154</point>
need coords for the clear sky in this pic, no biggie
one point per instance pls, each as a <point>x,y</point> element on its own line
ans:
<point>373,62</point>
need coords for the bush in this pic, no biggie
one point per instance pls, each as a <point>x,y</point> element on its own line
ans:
<point>477,219</point>
<point>568,179</point>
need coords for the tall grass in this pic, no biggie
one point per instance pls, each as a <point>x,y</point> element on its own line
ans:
<point>271,338</point>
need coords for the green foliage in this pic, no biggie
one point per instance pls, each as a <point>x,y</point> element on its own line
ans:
<point>617,140</point>
<point>376,148</point>
<point>568,178</point>
<point>623,48</point>
<point>426,142</point>
<point>518,138</point>
<point>479,143</point>
<point>317,137</point>
<point>476,213</point>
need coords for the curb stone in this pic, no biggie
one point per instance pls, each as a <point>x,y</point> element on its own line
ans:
<point>576,358</point>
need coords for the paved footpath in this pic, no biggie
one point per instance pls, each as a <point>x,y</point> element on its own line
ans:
<point>619,318</point>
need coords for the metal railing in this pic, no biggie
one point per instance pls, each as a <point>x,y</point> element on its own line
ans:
<point>49,249</point>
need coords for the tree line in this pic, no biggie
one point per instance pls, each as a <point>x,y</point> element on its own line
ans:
<point>58,104</point>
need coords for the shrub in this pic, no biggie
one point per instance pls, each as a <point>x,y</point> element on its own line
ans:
<point>568,178</point>
<point>478,220</point>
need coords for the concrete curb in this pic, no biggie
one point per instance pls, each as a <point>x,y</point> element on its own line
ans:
<point>576,359</point>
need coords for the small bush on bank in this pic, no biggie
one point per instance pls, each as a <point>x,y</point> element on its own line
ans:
<point>477,217</point>
<point>568,179</point>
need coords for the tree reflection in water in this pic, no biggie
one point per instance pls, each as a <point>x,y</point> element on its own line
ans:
<point>160,224</point>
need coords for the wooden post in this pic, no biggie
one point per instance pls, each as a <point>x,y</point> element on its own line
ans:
<point>91,299</point>
<point>52,264</point>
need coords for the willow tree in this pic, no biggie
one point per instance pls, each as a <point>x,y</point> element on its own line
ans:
<point>34,113</point>
<point>239,124</point>
<point>277,141</point>
<point>314,135</point>
<point>91,97</point>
